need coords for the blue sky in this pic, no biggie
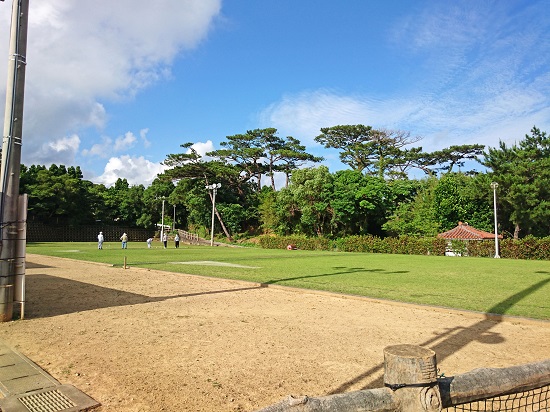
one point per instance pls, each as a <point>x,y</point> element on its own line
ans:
<point>116,86</point>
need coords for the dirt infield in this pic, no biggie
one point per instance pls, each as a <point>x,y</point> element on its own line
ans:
<point>143,340</point>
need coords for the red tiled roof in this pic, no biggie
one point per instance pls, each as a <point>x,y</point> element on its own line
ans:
<point>465,232</point>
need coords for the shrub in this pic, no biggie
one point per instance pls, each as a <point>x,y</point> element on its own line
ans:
<point>528,248</point>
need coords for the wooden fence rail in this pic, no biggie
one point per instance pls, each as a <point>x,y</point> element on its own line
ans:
<point>412,385</point>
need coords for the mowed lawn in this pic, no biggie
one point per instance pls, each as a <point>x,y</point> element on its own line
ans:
<point>499,286</point>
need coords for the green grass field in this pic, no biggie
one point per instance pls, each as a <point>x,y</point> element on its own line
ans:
<point>500,286</point>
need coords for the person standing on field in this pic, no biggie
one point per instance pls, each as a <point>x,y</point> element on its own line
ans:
<point>100,240</point>
<point>149,242</point>
<point>124,239</point>
<point>165,239</point>
<point>177,240</point>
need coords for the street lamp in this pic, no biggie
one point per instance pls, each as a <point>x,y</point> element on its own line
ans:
<point>494,186</point>
<point>214,187</point>
<point>162,221</point>
<point>174,221</point>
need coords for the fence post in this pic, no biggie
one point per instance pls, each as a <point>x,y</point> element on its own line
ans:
<point>411,373</point>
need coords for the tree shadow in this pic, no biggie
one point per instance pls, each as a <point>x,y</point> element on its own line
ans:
<point>448,342</point>
<point>31,265</point>
<point>339,270</point>
<point>54,296</point>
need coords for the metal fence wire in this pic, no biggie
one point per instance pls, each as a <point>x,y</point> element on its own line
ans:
<point>534,400</point>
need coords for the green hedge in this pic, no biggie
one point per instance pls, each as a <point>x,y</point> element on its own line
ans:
<point>527,248</point>
<point>300,242</point>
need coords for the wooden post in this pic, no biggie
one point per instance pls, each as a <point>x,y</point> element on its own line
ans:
<point>411,373</point>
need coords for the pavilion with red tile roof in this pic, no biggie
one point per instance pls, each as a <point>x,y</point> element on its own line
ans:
<point>466,232</point>
<point>463,232</point>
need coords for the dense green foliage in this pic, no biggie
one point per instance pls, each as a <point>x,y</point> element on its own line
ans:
<point>527,248</point>
<point>504,286</point>
<point>374,197</point>
<point>523,174</point>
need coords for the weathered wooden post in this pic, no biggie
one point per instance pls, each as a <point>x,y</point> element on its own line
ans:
<point>411,373</point>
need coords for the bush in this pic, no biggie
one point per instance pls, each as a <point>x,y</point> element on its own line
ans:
<point>528,248</point>
<point>301,242</point>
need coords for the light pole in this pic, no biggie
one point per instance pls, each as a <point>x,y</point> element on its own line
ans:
<point>494,186</point>
<point>214,187</point>
<point>174,221</point>
<point>162,221</point>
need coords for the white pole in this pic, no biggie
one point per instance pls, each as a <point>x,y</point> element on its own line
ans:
<point>494,186</point>
<point>162,223</point>
<point>174,221</point>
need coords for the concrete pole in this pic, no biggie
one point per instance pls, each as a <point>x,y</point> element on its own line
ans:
<point>494,186</point>
<point>213,210</point>
<point>214,187</point>
<point>11,155</point>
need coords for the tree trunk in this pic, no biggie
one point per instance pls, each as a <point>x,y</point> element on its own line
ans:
<point>516,232</point>
<point>223,226</point>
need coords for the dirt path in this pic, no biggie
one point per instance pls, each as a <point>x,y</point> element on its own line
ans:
<point>143,340</point>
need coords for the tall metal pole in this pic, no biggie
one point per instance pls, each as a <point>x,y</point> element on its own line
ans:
<point>494,186</point>
<point>174,220</point>
<point>11,155</point>
<point>162,222</point>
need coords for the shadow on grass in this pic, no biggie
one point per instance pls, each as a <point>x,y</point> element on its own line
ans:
<point>340,270</point>
<point>452,339</point>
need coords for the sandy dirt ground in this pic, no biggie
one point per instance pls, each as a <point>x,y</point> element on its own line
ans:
<point>144,340</point>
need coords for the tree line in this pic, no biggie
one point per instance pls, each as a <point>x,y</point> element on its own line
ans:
<point>375,195</point>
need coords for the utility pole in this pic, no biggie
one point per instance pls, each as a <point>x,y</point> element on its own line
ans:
<point>10,224</point>
<point>214,188</point>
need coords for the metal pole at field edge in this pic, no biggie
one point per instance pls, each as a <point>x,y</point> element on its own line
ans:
<point>494,186</point>
<point>11,156</point>
<point>162,221</point>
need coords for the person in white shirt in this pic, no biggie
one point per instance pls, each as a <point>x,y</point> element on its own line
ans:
<point>100,240</point>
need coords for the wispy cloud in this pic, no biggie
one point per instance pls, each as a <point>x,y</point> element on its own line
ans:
<point>108,146</point>
<point>484,79</point>
<point>143,136</point>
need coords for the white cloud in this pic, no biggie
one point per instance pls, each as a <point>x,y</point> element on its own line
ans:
<point>109,146</point>
<point>59,151</point>
<point>442,123</point>
<point>136,170</point>
<point>304,114</point>
<point>81,54</point>
<point>124,142</point>
<point>143,136</point>
<point>203,148</point>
